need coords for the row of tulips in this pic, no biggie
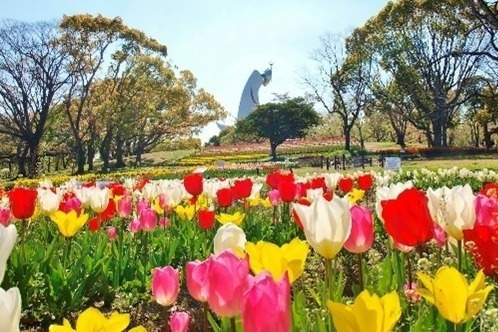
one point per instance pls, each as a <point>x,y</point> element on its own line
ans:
<point>252,280</point>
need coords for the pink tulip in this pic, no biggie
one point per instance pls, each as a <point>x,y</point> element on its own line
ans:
<point>197,279</point>
<point>165,285</point>
<point>164,222</point>
<point>362,230</point>
<point>179,321</point>
<point>73,204</point>
<point>226,278</point>
<point>5,217</point>
<point>148,220</point>
<point>274,196</point>
<point>486,211</point>
<point>135,226</point>
<point>163,202</point>
<point>124,207</point>
<point>112,233</point>
<point>266,304</point>
<point>142,205</point>
<point>439,235</point>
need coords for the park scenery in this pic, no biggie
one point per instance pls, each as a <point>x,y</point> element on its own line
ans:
<point>364,200</point>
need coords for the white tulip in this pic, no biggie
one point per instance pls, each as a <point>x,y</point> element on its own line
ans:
<point>313,194</point>
<point>229,236</point>
<point>256,189</point>
<point>387,193</point>
<point>48,201</point>
<point>10,310</point>
<point>211,187</point>
<point>99,199</point>
<point>8,237</point>
<point>332,179</point>
<point>150,191</point>
<point>84,194</point>
<point>453,209</point>
<point>327,225</point>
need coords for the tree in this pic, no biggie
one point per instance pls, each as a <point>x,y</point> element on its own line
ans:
<point>88,39</point>
<point>32,77</point>
<point>280,121</point>
<point>340,85</point>
<point>411,41</point>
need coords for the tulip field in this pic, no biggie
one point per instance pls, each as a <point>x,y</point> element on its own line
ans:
<point>346,252</point>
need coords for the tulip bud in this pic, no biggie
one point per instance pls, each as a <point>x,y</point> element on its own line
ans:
<point>266,304</point>
<point>112,233</point>
<point>179,321</point>
<point>229,236</point>
<point>148,220</point>
<point>10,310</point>
<point>197,279</point>
<point>362,230</point>
<point>124,207</point>
<point>135,226</point>
<point>165,285</point>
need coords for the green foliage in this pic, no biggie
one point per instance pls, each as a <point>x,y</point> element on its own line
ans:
<point>280,121</point>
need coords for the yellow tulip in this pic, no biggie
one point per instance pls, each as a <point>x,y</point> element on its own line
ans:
<point>235,218</point>
<point>355,195</point>
<point>69,223</point>
<point>368,313</point>
<point>92,320</point>
<point>267,256</point>
<point>185,212</point>
<point>157,207</point>
<point>266,202</point>
<point>254,201</point>
<point>455,299</point>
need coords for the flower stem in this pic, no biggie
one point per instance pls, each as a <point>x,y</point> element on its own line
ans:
<point>233,326</point>
<point>459,253</point>
<point>205,318</point>
<point>166,320</point>
<point>409,266</point>
<point>458,327</point>
<point>360,269</point>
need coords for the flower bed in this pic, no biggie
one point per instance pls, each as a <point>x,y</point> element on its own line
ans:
<point>277,252</point>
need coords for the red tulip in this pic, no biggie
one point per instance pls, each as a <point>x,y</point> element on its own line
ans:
<point>206,219</point>
<point>141,183</point>
<point>89,184</point>
<point>346,185</point>
<point>490,190</point>
<point>241,189</point>
<point>287,191</point>
<point>117,189</point>
<point>109,211</point>
<point>71,204</point>
<point>328,195</point>
<point>302,188</point>
<point>407,218</point>
<point>224,197</point>
<point>365,181</point>
<point>317,183</point>
<point>94,224</point>
<point>193,183</point>
<point>275,178</point>
<point>22,202</point>
<point>482,243</point>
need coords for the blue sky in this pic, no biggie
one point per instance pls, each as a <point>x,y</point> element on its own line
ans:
<point>222,41</point>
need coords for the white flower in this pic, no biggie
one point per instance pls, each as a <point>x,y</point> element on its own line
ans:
<point>331,180</point>
<point>48,201</point>
<point>453,209</point>
<point>229,236</point>
<point>10,310</point>
<point>99,199</point>
<point>8,237</point>
<point>327,225</point>
<point>313,194</point>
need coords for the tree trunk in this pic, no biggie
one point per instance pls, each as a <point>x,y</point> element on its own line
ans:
<point>138,156</point>
<point>488,142</point>
<point>80,158</point>
<point>347,138</point>
<point>22,152</point>
<point>400,139</point>
<point>91,155</point>
<point>33,160</point>
<point>119,153</point>
<point>273,147</point>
